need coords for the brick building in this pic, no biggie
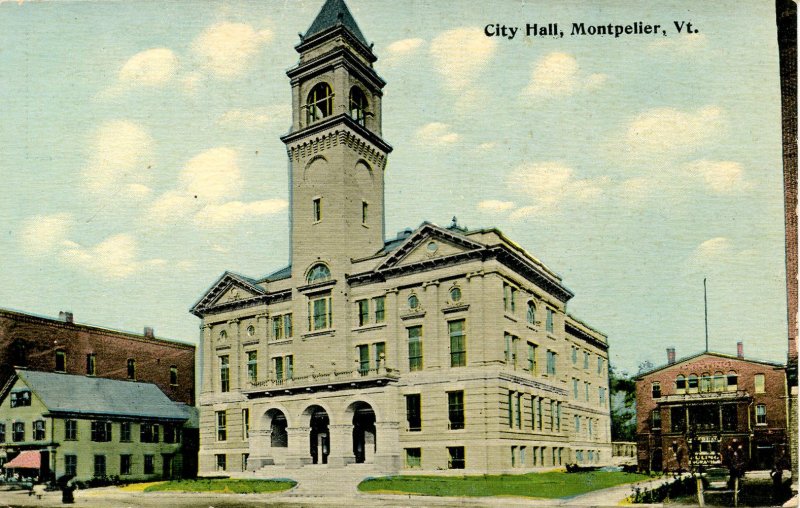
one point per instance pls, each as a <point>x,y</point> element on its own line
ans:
<point>61,345</point>
<point>706,406</point>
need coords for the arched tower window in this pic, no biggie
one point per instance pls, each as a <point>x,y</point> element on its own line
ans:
<point>680,384</point>
<point>319,103</point>
<point>358,105</point>
<point>318,273</point>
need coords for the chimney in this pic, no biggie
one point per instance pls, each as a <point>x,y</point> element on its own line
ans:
<point>670,355</point>
<point>65,316</point>
<point>740,349</point>
<point>148,332</point>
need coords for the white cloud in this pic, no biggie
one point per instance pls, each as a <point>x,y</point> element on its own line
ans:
<point>558,74</point>
<point>115,257</point>
<point>549,184</point>
<point>227,49</point>
<point>236,211</point>
<point>494,205</point>
<point>663,130</point>
<point>436,133</point>
<point>213,176</point>
<point>171,206</point>
<point>153,67</point>
<point>404,47</point>
<point>485,147</point>
<point>43,234</point>
<point>713,247</point>
<point>120,160</point>
<point>722,177</point>
<point>254,118</point>
<point>461,54</point>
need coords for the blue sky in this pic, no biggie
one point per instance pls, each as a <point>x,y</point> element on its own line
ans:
<point>140,155</point>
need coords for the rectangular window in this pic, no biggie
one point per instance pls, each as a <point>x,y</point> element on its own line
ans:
<point>101,431</point>
<point>90,364</point>
<point>70,430</point>
<point>18,431</point>
<point>124,432</point>
<point>38,430</point>
<point>601,395</point>
<point>518,410</point>
<point>21,398</point>
<point>317,210</point>
<point>761,414</point>
<point>224,374</point>
<point>172,433</point>
<point>585,359</point>
<point>131,368</point>
<point>289,366</point>
<point>656,390</point>
<point>414,412</point>
<point>222,462</point>
<point>549,326</point>
<point>455,459</point>
<point>455,410</point>
<point>558,416</point>
<point>574,355</point>
<point>71,465</point>
<point>363,359</point>
<point>99,465</point>
<point>278,368</point>
<point>533,412</point>
<point>591,427</point>
<point>380,308</point>
<point>575,388</point>
<point>148,433</point>
<point>149,466</point>
<point>320,313</point>
<point>245,457</point>
<point>577,423</point>
<point>511,350</point>
<point>222,426</point>
<point>288,330</point>
<point>539,413</point>
<point>458,343</point>
<point>552,415</point>
<point>551,363</point>
<point>364,210</point>
<point>61,361</point>
<point>277,328</point>
<point>363,312</point>
<point>506,297</point>
<point>245,423</point>
<point>252,366</point>
<point>415,348</point>
<point>586,386</point>
<point>413,457</point>
<point>677,417</point>
<point>173,375</point>
<point>2,432</point>
<point>532,358</point>
<point>600,365</point>
<point>124,464</point>
<point>380,354</point>
<point>656,419</point>
<point>510,409</point>
<point>758,379</point>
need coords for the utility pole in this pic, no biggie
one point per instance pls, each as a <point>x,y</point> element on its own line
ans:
<point>705,301</point>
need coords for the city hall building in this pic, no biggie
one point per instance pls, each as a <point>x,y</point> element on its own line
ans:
<point>441,348</point>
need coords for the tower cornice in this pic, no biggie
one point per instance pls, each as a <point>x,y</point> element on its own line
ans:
<point>328,61</point>
<point>331,33</point>
<point>317,132</point>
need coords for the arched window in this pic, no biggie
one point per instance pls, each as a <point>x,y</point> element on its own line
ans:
<point>358,105</point>
<point>531,312</point>
<point>318,273</point>
<point>692,385</point>
<point>733,381</point>
<point>680,383</point>
<point>705,382</point>
<point>719,382</point>
<point>319,103</point>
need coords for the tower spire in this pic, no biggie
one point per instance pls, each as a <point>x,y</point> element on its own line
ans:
<point>333,13</point>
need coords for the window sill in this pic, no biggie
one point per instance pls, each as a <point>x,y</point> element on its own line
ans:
<point>218,348</point>
<point>281,341</point>
<point>250,342</point>
<point>511,317</point>
<point>413,315</point>
<point>455,308</point>
<point>551,335</point>
<point>369,326</point>
<point>319,333</point>
<point>532,327</point>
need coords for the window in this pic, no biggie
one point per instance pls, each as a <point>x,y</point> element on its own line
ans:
<point>455,458</point>
<point>574,355</point>
<point>101,431</point>
<point>379,304</point>
<point>172,433</point>
<point>455,294</point>
<point>413,302</point>
<point>317,209</point>
<point>319,103</point>
<point>245,457</point>
<point>518,410</point>
<point>511,350</point>
<point>585,359</point>
<point>149,466</point>
<point>705,382</point>
<point>415,348</point>
<point>656,419</point>
<point>552,415</point>
<point>551,362</point>
<point>549,326</point>
<point>363,312</point>
<point>600,365</point>
<point>252,366</point>
<point>510,409</point>
<point>733,381</point>
<point>287,325</point>
<point>532,358</point>
<point>222,426</point>
<point>99,465</point>
<point>21,398</point>
<point>586,386</point>
<point>38,430</point>
<point>730,417</point>
<point>414,412</point>
<point>380,354</point>
<point>577,424</point>
<point>575,382</point>
<point>277,327</point>
<point>222,463</point>
<point>758,379</point>
<point>245,423</point>
<point>61,361</point>
<point>18,431</point>
<point>90,364</point>
<point>283,368</point>
<point>124,464</point>
<point>761,414</point>
<point>173,375</point>
<point>131,368</point>
<point>148,433</point>
<point>224,374</point>
<point>455,410</point>
<point>590,421</point>
<point>533,412</point>
<point>318,273</point>
<point>364,210</point>
<point>692,384</point>
<point>358,105</point>
<point>413,457</point>
<point>539,413</point>
<point>458,343</point>
<point>558,416</point>
<point>71,465</point>
<point>223,335</point>
<point>656,389</point>
<point>601,395</point>
<point>719,382</point>
<point>363,359</point>
<point>677,416</point>
<point>509,298</point>
<point>2,432</point>
<point>531,312</point>
<point>125,432</point>
<point>680,384</point>
<point>320,313</point>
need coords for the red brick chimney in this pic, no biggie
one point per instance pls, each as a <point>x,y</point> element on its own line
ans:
<point>740,349</point>
<point>670,355</point>
<point>65,316</point>
<point>148,332</point>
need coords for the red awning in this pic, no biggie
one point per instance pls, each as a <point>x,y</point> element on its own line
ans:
<point>30,459</point>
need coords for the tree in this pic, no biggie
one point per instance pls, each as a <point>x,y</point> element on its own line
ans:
<point>623,405</point>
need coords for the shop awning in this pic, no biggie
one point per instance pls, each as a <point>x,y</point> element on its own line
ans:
<point>29,459</point>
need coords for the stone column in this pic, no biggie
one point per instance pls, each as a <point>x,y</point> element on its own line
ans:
<point>207,373</point>
<point>298,453</point>
<point>260,449</point>
<point>433,348</point>
<point>341,443</point>
<point>236,363</point>
<point>387,450</point>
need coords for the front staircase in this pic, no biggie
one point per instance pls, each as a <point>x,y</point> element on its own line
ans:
<point>319,480</point>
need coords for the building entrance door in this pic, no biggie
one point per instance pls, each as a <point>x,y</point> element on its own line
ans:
<point>320,437</point>
<point>364,433</point>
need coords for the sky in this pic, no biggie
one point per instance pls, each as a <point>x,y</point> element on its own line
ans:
<point>140,155</point>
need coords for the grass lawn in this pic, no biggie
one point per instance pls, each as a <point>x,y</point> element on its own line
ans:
<point>545,485</point>
<point>223,485</point>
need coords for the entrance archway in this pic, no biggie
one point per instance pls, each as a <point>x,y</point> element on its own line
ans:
<point>364,434</point>
<point>278,436</point>
<point>319,437</point>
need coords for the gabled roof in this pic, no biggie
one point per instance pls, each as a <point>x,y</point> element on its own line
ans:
<point>333,13</point>
<point>68,393</point>
<point>425,231</point>
<point>708,353</point>
<point>226,280</point>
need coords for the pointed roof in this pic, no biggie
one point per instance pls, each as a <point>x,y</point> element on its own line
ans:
<point>333,13</point>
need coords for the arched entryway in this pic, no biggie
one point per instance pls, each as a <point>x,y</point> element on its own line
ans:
<point>364,434</point>
<point>319,437</point>
<point>278,436</point>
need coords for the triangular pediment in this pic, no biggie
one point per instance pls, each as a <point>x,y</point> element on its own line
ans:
<point>229,288</point>
<point>429,243</point>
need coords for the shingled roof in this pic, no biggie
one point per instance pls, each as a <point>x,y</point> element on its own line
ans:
<point>335,12</point>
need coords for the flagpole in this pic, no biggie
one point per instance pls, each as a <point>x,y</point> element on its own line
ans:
<point>705,301</point>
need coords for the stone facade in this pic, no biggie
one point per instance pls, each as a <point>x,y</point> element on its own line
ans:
<point>441,348</point>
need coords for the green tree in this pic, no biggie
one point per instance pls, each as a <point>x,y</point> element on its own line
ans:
<point>623,405</point>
